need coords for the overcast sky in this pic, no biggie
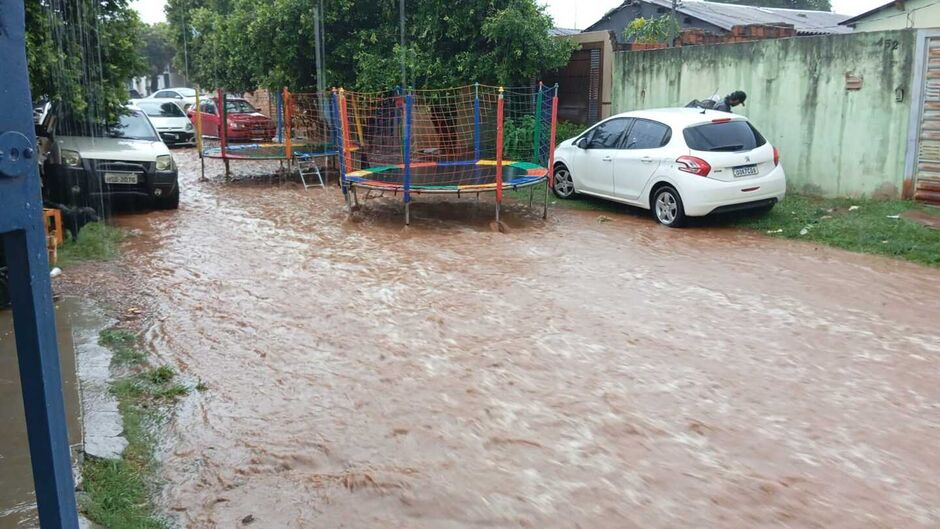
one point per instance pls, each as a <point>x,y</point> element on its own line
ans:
<point>567,13</point>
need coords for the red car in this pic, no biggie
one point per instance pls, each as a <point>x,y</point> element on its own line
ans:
<point>245,122</point>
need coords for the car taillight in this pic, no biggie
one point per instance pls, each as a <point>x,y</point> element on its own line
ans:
<point>776,157</point>
<point>696,166</point>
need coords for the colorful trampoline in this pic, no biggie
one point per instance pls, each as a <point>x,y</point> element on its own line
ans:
<point>459,177</point>
<point>473,139</point>
<point>303,127</point>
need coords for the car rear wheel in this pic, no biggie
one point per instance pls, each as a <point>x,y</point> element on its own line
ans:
<point>667,207</point>
<point>562,183</point>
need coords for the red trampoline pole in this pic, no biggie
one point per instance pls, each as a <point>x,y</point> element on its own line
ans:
<point>551,150</point>
<point>499,152</point>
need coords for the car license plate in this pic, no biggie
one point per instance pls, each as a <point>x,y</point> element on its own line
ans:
<point>747,170</point>
<point>120,178</point>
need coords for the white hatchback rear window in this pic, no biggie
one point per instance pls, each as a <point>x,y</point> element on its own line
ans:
<point>729,136</point>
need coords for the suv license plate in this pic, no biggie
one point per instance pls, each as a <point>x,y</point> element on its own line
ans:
<point>747,170</point>
<point>120,178</point>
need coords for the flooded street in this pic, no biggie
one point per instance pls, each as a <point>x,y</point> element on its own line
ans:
<point>564,374</point>
<point>17,493</point>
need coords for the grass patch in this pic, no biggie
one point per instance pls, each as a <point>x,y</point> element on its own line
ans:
<point>123,344</point>
<point>858,225</point>
<point>580,202</point>
<point>117,494</point>
<point>97,241</point>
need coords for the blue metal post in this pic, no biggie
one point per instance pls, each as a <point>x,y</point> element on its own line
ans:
<point>338,137</point>
<point>23,238</point>
<point>407,152</point>
<point>476,122</point>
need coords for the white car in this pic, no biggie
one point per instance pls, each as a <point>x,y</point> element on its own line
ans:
<point>185,97</point>
<point>169,120</point>
<point>677,162</point>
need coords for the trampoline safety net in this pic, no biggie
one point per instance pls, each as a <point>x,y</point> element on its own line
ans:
<point>469,139</point>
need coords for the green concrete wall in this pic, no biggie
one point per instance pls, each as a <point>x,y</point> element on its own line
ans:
<point>833,141</point>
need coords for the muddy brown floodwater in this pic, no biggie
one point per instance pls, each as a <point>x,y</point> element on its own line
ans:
<point>566,374</point>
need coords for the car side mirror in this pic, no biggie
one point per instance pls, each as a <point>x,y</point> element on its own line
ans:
<point>178,97</point>
<point>582,143</point>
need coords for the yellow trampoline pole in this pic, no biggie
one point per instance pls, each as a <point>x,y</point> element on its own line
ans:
<point>358,121</point>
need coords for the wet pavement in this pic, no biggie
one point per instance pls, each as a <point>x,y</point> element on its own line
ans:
<point>17,493</point>
<point>573,373</point>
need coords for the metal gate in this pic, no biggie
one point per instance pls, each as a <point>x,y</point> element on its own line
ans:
<point>579,87</point>
<point>926,185</point>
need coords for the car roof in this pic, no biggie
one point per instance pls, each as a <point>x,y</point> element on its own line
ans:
<point>680,116</point>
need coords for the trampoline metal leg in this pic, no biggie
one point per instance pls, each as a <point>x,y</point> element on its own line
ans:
<point>545,208</point>
<point>531,194</point>
<point>407,213</point>
<point>355,198</point>
<point>202,168</point>
<point>497,213</point>
<point>227,172</point>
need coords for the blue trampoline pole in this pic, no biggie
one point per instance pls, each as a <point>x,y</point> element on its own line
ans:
<point>340,151</point>
<point>476,122</point>
<point>407,158</point>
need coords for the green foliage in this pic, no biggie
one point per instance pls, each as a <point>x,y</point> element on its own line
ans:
<point>243,44</point>
<point>818,5</point>
<point>82,52</point>
<point>651,30</point>
<point>160,375</point>
<point>159,49</point>
<point>519,137</point>
<point>96,242</point>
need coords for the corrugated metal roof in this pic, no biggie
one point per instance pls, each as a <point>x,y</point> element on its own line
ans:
<point>726,16</point>
<point>561,32</point>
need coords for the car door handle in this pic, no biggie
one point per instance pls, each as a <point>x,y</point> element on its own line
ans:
<point>607,159</point>
<point>646,159</point>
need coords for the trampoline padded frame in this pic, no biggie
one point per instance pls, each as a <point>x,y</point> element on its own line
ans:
<point>259,151</point>
<point>532,174</point>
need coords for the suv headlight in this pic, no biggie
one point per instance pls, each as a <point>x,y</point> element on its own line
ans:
<point>189,126</point>
<point>70,158</point>
<point>164,162</point>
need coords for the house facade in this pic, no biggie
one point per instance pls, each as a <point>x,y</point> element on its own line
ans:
<point>898,14</point>
<point>584,85</point>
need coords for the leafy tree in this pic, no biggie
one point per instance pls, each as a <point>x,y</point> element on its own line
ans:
<point>159,50</point>
<point>818,5</point>
<point>243,44</point>
<point>651,30</point>
<point>82,52</point>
